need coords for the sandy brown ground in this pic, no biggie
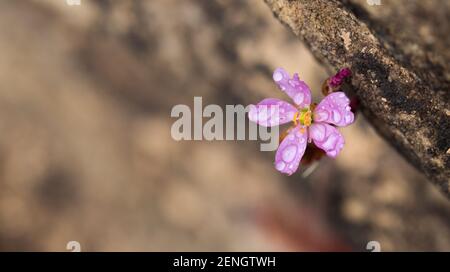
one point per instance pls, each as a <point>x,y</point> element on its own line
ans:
<point>86,152</point>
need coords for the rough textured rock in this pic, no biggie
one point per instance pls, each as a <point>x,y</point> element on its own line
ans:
<point>399,55</point>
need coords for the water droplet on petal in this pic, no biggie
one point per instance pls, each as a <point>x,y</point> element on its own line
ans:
<point>280,166</point>
<point>301,139</point>
<point>318,132</point>
<point>321,116</point>
<point>330,142</point>
<point>277,76</point>
<point>298,99</point>
<point>289,153</point>
<point>336,116</point>
<point>332,153</point>
<point>348,118</point>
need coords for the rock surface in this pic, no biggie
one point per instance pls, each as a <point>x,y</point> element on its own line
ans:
<point>399,54</point>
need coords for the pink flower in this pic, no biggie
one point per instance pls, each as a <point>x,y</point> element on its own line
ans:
<point>311,123</point>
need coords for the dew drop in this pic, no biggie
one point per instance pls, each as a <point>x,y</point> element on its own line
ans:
<point>322,115</point>
<point>299,98</point>
<point>318,132</point>
<point>280,166</point>
<point>277,76</point>
<point>330,142</point>
<point>332,153</point>
<point>289,153</point>
<point>348,118</point>
<point>336,116</point>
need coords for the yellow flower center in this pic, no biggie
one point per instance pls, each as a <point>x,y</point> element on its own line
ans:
<point>303,117</point>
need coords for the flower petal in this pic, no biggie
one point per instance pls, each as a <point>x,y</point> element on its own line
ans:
<point>271,112</point>
<point>327,138</point>
<point>334,109</point>
<point>291,150</point>
<point>294,88</point>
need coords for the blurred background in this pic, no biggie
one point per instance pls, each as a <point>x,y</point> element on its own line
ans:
<point>86,153</point>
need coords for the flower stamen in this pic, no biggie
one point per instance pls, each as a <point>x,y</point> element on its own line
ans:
<point>296,118</point>
<point>303,117</point>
